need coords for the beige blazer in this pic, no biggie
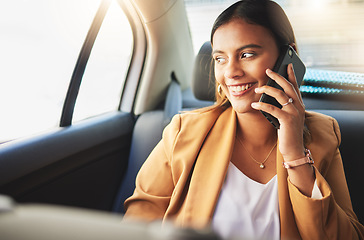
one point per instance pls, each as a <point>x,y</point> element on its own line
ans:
<point>182,178</point>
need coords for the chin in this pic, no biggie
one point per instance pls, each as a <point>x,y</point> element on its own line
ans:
<point>243,108</point>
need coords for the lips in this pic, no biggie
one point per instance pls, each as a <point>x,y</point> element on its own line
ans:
<point>239,89</point>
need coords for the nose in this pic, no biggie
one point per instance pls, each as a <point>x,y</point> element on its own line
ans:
<point>233,70</point>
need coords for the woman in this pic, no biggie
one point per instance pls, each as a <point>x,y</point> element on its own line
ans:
<point>222,166</point>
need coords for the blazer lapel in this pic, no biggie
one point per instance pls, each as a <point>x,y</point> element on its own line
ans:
<point>210,169</point>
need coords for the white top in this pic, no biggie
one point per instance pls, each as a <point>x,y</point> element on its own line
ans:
<point>247,209</point>
<point>252,212</point>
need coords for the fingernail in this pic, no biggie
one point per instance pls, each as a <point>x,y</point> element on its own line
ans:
<point>258,90</point>
<point>254,105</point>
<point>269,71</point>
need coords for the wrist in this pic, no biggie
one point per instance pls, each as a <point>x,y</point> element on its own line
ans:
<point>294,155</point>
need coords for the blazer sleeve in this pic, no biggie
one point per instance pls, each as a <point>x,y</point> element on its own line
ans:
<point>154,183</point>
<point>331,217</point>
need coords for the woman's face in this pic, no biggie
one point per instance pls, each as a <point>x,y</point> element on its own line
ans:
<point>242,52</point>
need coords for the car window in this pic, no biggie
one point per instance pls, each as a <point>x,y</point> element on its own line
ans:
<point>40,44</point>
<point>328,33</point>
<point>106,69</point>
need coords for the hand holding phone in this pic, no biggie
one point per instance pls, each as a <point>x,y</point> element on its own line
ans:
<point>287,55</point>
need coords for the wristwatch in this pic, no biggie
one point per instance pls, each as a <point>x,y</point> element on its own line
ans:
<point>301,161</point>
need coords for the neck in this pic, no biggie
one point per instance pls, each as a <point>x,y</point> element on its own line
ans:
<point>255,129</point>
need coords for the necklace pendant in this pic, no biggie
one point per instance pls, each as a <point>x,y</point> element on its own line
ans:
<point>262,166</point>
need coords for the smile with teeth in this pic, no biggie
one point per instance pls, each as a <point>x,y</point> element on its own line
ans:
<point>241,88</point>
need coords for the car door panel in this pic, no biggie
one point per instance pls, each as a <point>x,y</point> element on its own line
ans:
<point>80,165</point>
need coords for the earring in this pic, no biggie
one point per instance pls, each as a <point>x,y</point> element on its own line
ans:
<point>219,89</point>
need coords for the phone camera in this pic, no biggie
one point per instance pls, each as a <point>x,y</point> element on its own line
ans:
<point>290,53</point>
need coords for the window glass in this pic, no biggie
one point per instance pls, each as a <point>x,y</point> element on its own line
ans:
<point>328,32</point>
<point>105,72</point>
<point>40,43</point>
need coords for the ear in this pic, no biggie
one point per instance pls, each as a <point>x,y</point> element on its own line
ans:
<point>294,46</point>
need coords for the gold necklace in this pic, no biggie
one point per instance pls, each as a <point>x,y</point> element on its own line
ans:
<point>261,164</point>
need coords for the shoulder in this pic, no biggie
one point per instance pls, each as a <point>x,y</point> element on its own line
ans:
<point>190,125</point>
<point>324,125</point>
<point>192,120</point>
<point>202,114</point>
<point>323,129</point>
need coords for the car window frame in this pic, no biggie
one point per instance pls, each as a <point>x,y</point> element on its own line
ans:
<point>134,69</point>
<point>137,61</point>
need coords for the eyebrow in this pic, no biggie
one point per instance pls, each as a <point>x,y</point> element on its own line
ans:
<point>239,49</point>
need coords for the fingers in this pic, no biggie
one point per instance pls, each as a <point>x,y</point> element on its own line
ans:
<point>280,114</point>
<point>279,95</point>
<point>289,98</point>
<point>290,87</point>
<point>281,80</point>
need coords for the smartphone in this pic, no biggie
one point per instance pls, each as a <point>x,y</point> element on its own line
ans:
<point>287,55</point>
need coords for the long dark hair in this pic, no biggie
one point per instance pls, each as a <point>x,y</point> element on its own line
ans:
<point>265,13</point>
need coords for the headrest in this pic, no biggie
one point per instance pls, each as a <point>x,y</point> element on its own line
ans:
<point>203,78</point>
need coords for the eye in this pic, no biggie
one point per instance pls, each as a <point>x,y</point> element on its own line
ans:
<point>220,60</point>
<point>247,55</point>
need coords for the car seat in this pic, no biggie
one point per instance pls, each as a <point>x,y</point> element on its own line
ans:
<point>146,134</point>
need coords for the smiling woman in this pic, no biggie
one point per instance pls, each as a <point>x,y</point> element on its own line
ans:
<point>230,148</point>
<point>41,41</point>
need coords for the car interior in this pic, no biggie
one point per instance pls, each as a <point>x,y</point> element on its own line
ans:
<point>72,181</point>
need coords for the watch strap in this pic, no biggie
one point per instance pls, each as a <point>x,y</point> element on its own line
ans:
<point>301,161</point>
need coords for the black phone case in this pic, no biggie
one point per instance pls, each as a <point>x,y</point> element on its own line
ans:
<point>287,55</point>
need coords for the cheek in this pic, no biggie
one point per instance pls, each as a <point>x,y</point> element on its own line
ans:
<point>219,75</point>
<point>259,69</point>
<point>256,70</point>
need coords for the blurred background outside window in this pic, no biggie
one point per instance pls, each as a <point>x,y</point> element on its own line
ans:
<point>328,32</point>
<point>40,43</point>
